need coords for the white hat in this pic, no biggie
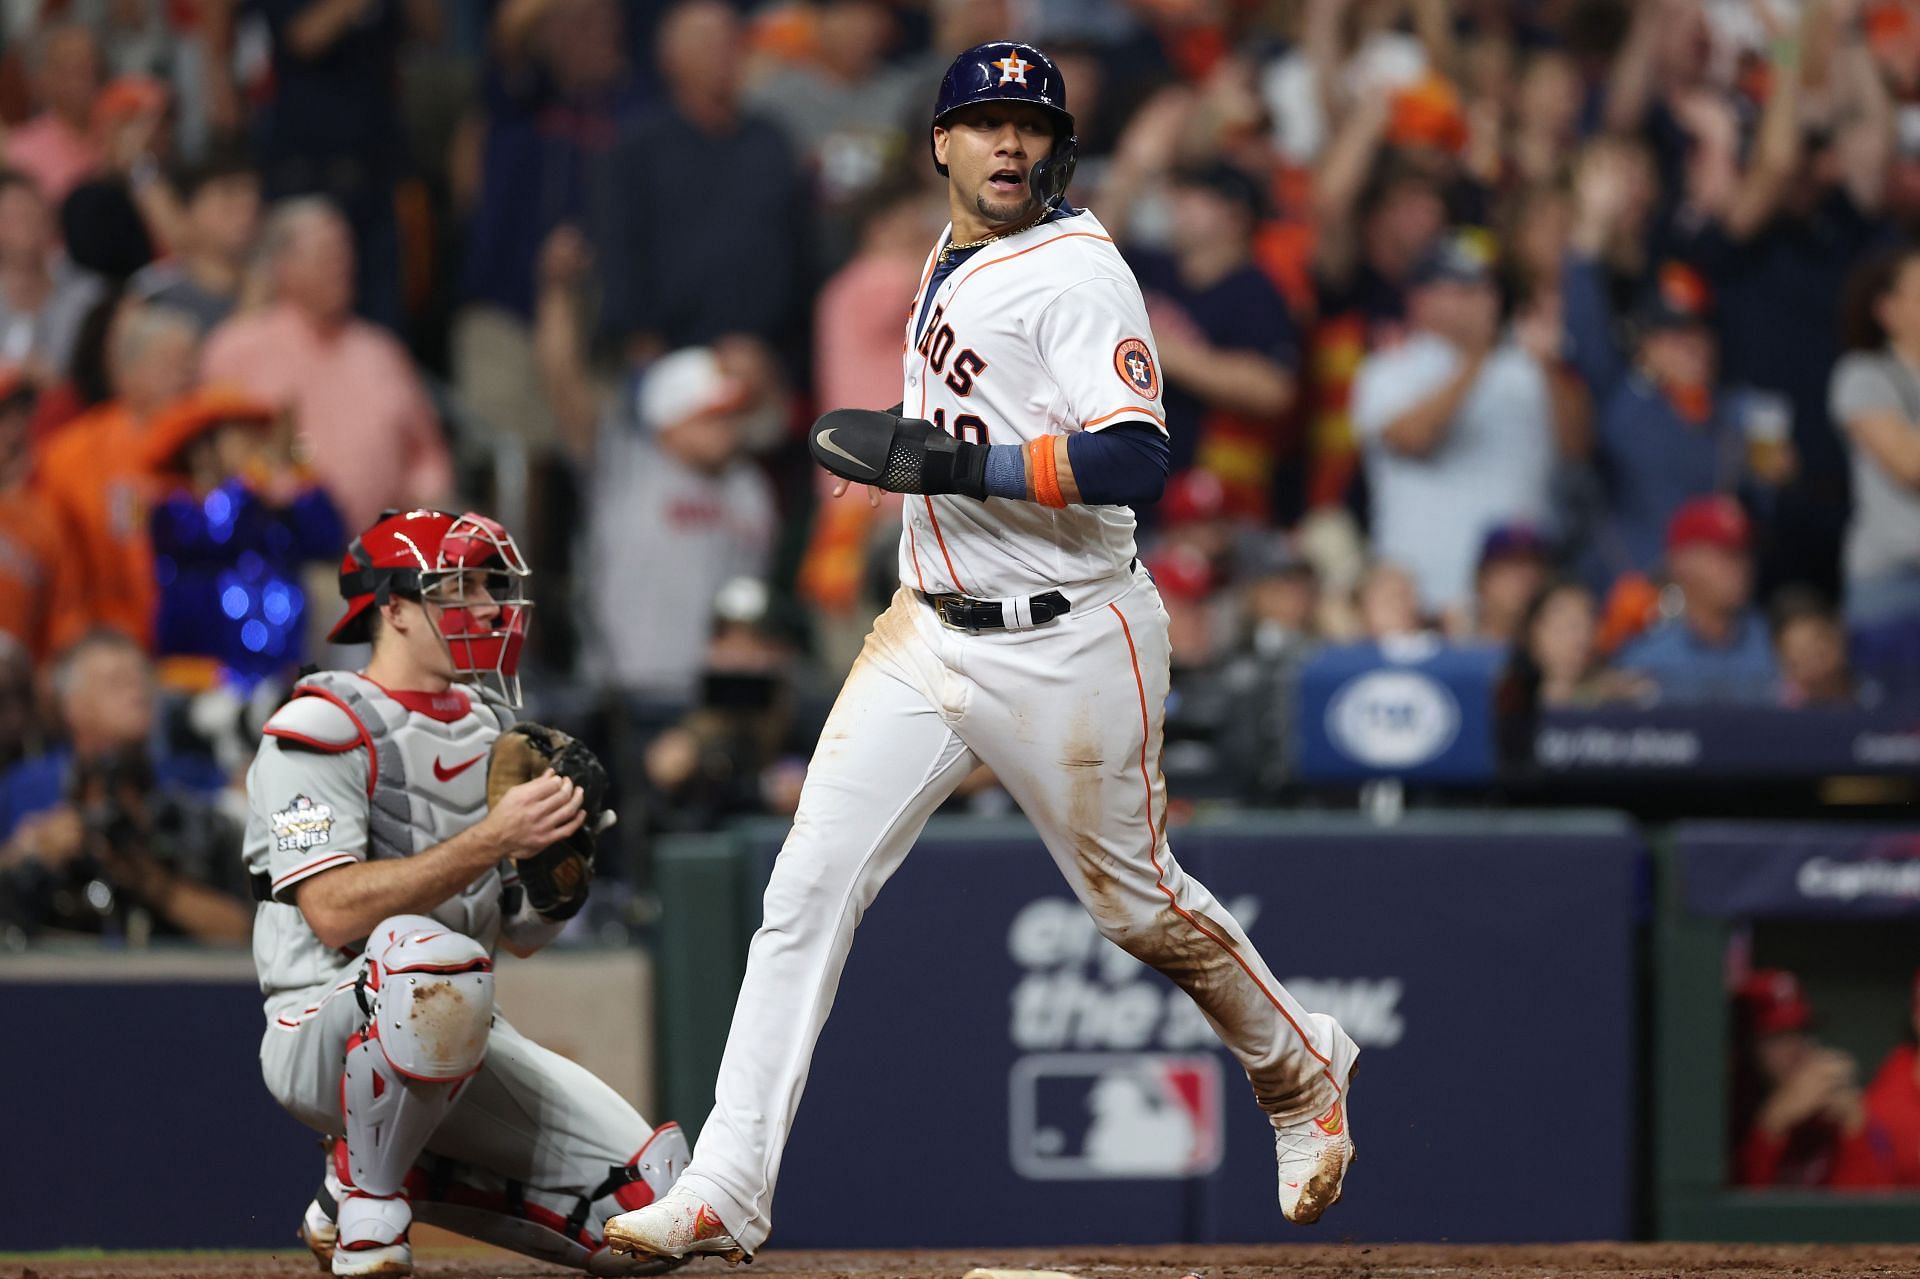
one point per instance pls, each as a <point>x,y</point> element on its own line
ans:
<point>686,384</point>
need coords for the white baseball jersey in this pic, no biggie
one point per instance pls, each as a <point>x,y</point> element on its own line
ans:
<point>1041,333</point>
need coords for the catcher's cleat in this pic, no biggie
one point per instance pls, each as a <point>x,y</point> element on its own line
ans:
<point>318,1232</point>
<point>674,1227</point>
<point>317,1228</point>
<point>1314,1154</point>
<point>373,1237</point>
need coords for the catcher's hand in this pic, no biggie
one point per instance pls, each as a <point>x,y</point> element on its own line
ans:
<point>555,879</point>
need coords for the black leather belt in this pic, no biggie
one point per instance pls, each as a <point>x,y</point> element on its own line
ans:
<point>966,614</point>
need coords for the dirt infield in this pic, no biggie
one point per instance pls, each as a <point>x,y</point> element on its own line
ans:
<point>1353,1261</point>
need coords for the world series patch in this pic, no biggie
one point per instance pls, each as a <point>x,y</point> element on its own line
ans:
<point>301,825</point>
<point>1134,363</point>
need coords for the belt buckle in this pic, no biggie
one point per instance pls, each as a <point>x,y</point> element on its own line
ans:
<point>941,605</point>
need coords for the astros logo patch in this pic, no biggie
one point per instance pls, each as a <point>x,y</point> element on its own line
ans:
<point>1134,363</point>
<point>1013,69</point>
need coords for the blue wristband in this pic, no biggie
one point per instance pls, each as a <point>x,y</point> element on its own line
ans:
<point>1007,471</point>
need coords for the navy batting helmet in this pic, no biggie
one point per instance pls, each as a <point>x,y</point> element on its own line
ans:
<point>1008,71</point>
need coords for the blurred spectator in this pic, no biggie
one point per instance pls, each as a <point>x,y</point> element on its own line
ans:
<point>1892,1103</point>
<point>56,149</point>
<point>1714,647</point>
<point>1667,432</point>
<point>238,522</point>
<point>1607,264</point>
<point>104,231</point>
<point>1225,337</point>
<point>97,830</point>
<point>557,94</point>
<point>736,754</point>
<point>672,510</point>
<point>1280,606</point>
<point>1193,516</point>
<point>22,733</point>
<point>1389,602</point>
<point>1797,1113</point>
<point>96,476</point>
<point>43,296</point>
<point>1875,400</point>
<point>856,363</point>
<point>220,221</point>
<point>332,129</point>
<point>355,395</point>
<point>1370,241</point>
<point>115,221</point>
<point>32,555</point>
<point>1186,581</point>
<point>1280,599</point>
<point>1556,663</point>
<point>845,111</point>
<point>1784,222</point>
<point>1811,645</point>
<point>1513,567</point>
<point>668,279</point>
<point>1461,429</point>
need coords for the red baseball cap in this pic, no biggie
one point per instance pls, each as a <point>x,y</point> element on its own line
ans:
<point>1773,1002</point>
<point>1713,521</point>
<point>1193,495</point>
<point>1181,573</point>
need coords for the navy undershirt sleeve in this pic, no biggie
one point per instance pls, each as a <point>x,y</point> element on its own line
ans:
<point>1123,465</point>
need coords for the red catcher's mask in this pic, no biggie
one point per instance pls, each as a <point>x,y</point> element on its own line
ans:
<point>467,568</point>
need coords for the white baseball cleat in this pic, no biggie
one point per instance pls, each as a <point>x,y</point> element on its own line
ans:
<point>1314,1154</point>
<point>373,1236</point>
<point>674,1227</point>
<point>317,1228</point>
<point>318,1232</point>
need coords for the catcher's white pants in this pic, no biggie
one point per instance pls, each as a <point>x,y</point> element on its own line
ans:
<point>1069,717</point>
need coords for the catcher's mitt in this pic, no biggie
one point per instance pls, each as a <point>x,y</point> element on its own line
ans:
<point>555,879</point>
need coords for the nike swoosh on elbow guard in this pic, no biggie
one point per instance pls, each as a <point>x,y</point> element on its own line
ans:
<point>825,440</point>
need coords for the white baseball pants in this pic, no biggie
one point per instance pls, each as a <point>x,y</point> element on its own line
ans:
<point>1069,717</point>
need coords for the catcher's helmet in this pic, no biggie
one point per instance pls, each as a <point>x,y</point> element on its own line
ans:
<point>1008,71</point>
<point>446,560</point>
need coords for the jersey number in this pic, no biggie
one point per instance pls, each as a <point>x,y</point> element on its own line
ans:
<point>966,426</point>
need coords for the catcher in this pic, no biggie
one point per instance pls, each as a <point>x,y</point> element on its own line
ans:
<point>401,826</point>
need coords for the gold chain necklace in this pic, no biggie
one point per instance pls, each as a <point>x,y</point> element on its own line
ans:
<point>949,249</point>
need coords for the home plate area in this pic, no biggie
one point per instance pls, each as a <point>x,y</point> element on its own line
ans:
<point>1291,1261</point>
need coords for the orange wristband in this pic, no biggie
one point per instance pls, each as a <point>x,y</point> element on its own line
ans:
<point>1043,473</point>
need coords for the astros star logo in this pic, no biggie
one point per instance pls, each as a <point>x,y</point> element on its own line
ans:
<point>1013,69</point>
<point>1137,367</point>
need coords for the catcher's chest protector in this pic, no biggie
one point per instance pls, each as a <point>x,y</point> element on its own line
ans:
<point>430,783</point>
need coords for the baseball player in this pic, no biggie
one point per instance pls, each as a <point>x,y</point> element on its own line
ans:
<point>1024,636</point>
<point>393,846</point>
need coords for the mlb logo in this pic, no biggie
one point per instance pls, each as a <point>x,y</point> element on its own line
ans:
<point>1115,1116</point>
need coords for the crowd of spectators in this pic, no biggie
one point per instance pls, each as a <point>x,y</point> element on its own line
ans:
<point>1586,328</point>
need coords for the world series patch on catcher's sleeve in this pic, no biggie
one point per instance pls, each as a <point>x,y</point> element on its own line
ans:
<point>301,825</point>
<point>1134,363</point>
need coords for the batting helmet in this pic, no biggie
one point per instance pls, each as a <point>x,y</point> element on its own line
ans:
<point>1008,71</point>
<point>450,561</point>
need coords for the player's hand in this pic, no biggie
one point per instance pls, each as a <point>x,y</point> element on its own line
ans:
<point>841,486</point>
<point>535,815</point>
<point>1807,1090</point>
